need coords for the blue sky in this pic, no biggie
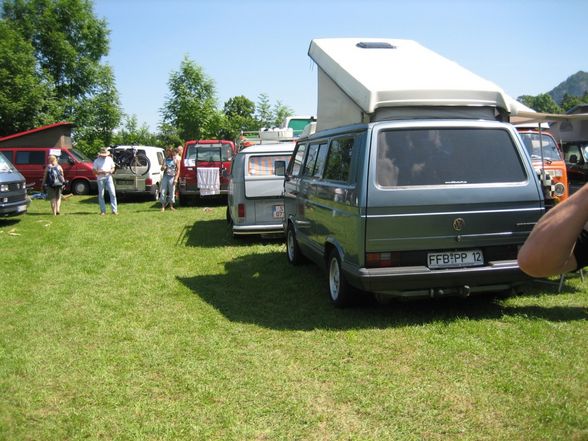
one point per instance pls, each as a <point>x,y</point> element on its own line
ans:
<point>253,47</point>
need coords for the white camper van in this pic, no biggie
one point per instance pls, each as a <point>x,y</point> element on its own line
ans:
<point>415,184</point>
<point>256,187</point>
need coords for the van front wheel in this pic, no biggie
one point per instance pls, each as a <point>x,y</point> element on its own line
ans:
<point>342,294</point>
<point>295,257</point>
<point>80,187</point>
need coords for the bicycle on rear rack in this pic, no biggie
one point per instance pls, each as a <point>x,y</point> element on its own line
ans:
<point>132,159</point>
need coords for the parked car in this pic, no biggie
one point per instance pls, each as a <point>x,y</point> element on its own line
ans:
<point>13,190</point>
<point>255,203</point>
<point>546,155</point>
<point>576,158</point>
<point>205,168</point>
<point>31,162</point>
<point>412,186</point>
<point>145,179</point>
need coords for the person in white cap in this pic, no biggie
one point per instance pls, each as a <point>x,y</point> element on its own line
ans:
<point>104,167</point>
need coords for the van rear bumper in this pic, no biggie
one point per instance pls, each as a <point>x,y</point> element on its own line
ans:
<point>400,281</point>
<point>274,229</point>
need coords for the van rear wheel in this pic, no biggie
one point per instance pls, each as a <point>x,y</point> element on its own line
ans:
<point>293,253</point>
<point>342,293</point>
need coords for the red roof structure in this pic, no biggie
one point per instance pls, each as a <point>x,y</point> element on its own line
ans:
<point>56,135</point>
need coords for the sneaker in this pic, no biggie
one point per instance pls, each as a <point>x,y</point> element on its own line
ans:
<point>115,213</point>
<point>102,214</point>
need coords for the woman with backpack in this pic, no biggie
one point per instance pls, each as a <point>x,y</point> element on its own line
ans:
<point>53,182</point>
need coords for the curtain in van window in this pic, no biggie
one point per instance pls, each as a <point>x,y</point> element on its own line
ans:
<point>264,165</point>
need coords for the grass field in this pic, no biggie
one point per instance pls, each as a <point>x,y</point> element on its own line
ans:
<point>155,326</point>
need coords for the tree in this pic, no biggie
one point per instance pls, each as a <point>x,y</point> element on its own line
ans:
<point>264,111</point>
<point>239,113</point>
<point>68,43</point>
<point>191,102</point>
<point>26,98</point>
<point>540,103</point>
<point>280,113</point>
<point>129,133</point>
<point>570,101</point>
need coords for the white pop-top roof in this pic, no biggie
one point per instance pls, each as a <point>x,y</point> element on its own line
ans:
<point>376,73</point>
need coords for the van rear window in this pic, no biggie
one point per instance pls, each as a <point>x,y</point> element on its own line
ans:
<point>208,153</point>
<point>447,157</point>
<point>264,165</point>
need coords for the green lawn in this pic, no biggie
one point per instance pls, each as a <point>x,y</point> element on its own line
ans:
<point>158,326</point>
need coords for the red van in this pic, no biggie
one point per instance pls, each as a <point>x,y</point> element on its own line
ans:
<point>31,163</point>
<point>205,168</point>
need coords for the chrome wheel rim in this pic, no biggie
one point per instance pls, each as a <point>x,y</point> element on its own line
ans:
<point>334,278</point>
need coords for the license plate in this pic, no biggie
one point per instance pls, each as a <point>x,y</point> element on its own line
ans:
<point>455,259</point>
<point>278,211</point>
<point>21,208</point>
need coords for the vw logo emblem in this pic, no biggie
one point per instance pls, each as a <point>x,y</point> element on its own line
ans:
<point>458,224</point>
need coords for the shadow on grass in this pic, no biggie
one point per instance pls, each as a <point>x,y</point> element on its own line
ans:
<point>9,221</point>
<point>265,290</point>
<point>216,233</point>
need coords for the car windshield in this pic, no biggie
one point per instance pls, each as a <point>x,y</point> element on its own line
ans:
<point>79,155</point>
<point>5,166</point>
<point>447,157</point>
<point>533,143</point>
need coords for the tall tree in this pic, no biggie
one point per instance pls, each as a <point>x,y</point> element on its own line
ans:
<point>25,97</point>
<point>239,114</point>
<point>263,111</point>
<point>280,113</point>
<point>69,43</point>
<point>191,102</point>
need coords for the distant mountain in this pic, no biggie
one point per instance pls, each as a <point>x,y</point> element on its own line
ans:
<point>576,85</point>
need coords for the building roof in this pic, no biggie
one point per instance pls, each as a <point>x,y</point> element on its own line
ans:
<point>38,129</point>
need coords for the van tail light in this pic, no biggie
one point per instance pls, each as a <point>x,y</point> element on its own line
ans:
<point>148,181</point>
<point>381,260</point>
<point>241,210</point>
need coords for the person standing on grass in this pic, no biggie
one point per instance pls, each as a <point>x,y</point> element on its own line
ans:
<point>558,243</point>
<point>179,153</point>
<point>53,182</point>
<point>171,168</point>
<point>104,168</point>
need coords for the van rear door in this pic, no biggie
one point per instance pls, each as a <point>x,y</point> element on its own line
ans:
<point>438,187</point>
<point>263,187</point>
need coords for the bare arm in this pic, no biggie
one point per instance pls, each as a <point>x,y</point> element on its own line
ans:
<point>549,248</point>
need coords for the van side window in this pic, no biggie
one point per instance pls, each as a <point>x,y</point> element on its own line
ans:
<point>339,159</point>
<point>447,157</point>
<point>296,165</point>
<point>310,160</point>
<point>30,157</point>
<point>321,160</point>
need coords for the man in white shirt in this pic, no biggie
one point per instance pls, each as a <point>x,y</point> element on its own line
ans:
<point>104,167</point>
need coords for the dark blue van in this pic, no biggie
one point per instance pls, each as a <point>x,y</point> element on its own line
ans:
<point>13,190</point>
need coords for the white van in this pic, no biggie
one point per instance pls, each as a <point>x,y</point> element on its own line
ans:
<point>256,186</point>
<point>145,177</point>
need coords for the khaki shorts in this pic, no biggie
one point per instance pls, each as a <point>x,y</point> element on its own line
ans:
<point>53,192</point>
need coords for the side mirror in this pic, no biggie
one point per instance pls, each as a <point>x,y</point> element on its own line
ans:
<point>280,168</point>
